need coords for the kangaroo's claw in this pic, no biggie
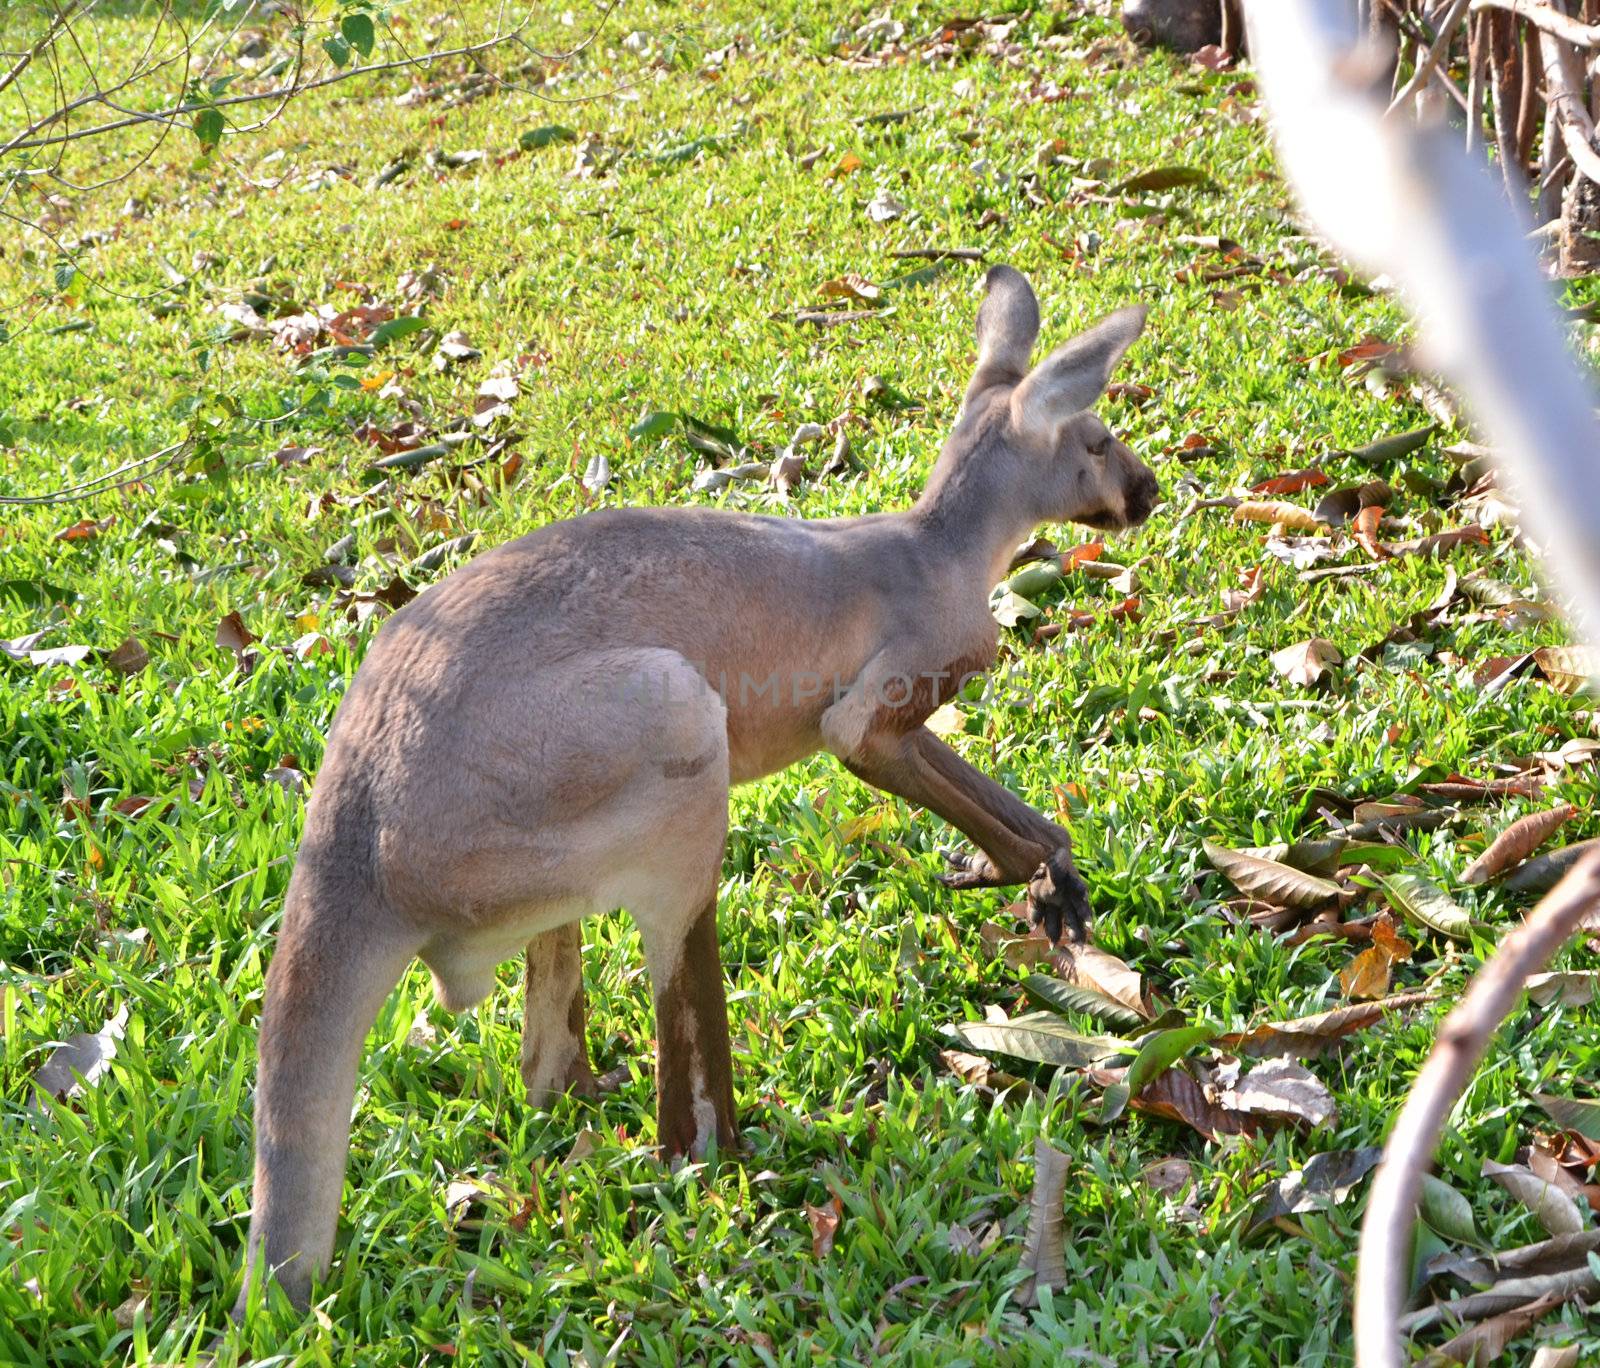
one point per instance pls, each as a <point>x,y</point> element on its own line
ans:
<point>969,869</point>
<point>1058,900</point>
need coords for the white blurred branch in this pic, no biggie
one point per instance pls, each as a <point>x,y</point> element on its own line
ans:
<point>1407,201</point>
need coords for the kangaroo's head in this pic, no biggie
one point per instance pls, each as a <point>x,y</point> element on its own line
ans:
<point>1073,468</point>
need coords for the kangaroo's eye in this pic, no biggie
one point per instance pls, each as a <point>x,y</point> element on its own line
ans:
<point>1098,446</point>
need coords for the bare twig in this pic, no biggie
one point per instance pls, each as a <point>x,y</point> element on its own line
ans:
<point>1382,1275</point>
<point>104,484</point>
<point>1564,103</point>
<point>1547,20</point>
<point>1430,59</point>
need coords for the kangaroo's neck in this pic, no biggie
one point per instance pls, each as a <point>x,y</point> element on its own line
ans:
<point>975,508</point>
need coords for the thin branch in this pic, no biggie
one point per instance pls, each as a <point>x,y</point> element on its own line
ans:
<point>1564,102</point>
<point>169,456</point>
<point>1383,1271</point>
<point>45,39</point>
<point>1430,59</point>
<point>1547,20</point>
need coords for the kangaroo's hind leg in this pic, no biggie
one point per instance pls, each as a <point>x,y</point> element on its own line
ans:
<point>555,1057</point>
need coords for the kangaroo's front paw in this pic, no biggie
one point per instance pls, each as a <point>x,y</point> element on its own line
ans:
<point>971,869</point>
<point>1058,900</point>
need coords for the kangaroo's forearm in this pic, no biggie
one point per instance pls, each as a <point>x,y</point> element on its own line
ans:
<point>921,768</point>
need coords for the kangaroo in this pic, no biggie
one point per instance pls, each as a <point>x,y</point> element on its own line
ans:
<point>551,732</point>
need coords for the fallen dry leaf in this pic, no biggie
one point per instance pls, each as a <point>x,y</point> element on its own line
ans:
<point>1306,662</point>
<point>851,286</point>
<point>128,658</point>
<point>1044,1247</point>
<point>1570,988</point>
<point>1291,482</point>
<point>1367,975</point>
<point>1551,1207</point>
<point>1088,966</point>
<point>1281,1088</point>
<point>1276,511</point>
<point>824,1221</point>
<point>1517,842</point>
<point>1487,1341</point>
<point>1365,531</point>
<point>1568,668</point>
<point>81,1061</point>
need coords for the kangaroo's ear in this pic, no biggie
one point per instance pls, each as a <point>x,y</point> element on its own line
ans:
<point>1073,376</point>
<point>1008,326</point>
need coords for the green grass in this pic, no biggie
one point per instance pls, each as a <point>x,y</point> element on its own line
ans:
<point>668,280</point>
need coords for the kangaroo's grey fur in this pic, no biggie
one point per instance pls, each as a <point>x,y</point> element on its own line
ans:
<point>551,732</point>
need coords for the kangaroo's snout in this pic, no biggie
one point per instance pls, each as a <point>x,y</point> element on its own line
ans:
<point>1141,496</point>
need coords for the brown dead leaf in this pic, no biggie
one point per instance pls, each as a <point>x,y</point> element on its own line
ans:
<point>1551,1207</point>
<point>1282,1089</point>
<point>1044,1247</point>
<point>1088,966</point>
<point>1306,662</point>
<point>1568,668</point>
<point>1569,988</point>
<point>1001,942</point>
<point>1252,584</point>
<point>851,286</point>
<point>232,634</point>
<point>1367,975</point>
<point>1517,842</point>
<point>1365,532</point>
<point>1276,511</point>
<point>128,658</point>
<point>1370,348</point>
<point>824,1221</point>
<point>1181,1094</point>
<point>1441,542</point>
<point>1486,1341</point>
<point>1291,482</point>
<point>86,529</point>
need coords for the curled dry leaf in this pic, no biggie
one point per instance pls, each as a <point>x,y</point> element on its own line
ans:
<point>1291,482</point>
<point>1485,1342</point>
<point>1044,1246</point>
<point>81,1061</point>
<point>1283,1089</point>
<point>1568,668</point>
<point>232,634</point>
<point>1088,966</point>
<point>1270,881</point>
<point>1183,1093</point>
<point>824,1221</point>
<point>1428,905</point>
<point>1306,662</point>
<point>1440,542</point>
<point>1517,842</point>
<point>851,286</point>
<point>1544,872</point>
<point>1325,1180</point>
<point>1278,512</point>
<point>1569,988</point>
<point>1551,1207</point>
<point>1365,532</point>
<point>1367,976</point>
